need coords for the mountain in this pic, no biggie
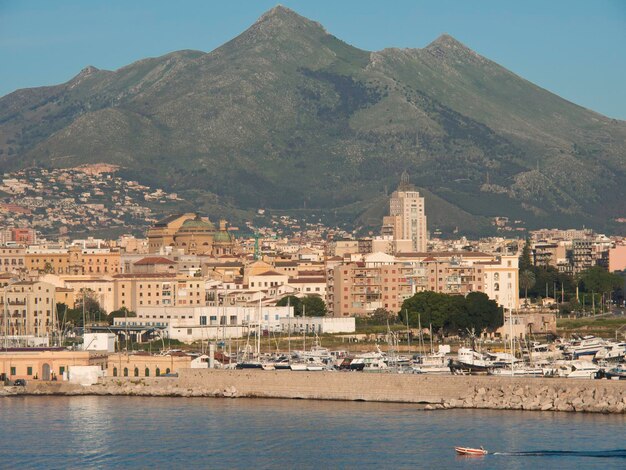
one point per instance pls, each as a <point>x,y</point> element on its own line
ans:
<point>286,116</point>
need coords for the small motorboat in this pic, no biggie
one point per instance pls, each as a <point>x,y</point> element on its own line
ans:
<point>470,451</point>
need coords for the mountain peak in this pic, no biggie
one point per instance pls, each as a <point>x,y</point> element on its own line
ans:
<point>447,46</point>
<point>89,70</point>
<point>283,17</point>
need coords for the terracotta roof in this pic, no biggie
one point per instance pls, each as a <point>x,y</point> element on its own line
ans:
<point>316,272</point>
<point>149,260</point>
<point>150,276</point>
<point>443,254</point>
<point>270,273</point>
<point>308,280</point>
<point>229,264</point>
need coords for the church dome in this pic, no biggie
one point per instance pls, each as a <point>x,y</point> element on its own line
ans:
<point>222,237</point>
<point>196,225</point>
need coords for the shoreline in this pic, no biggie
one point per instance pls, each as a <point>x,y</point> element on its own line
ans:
<point>432,392</point>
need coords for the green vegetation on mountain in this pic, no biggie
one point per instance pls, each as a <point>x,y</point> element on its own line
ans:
<point>286,116</point>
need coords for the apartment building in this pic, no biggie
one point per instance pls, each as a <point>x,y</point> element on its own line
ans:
<point>28,308</point>
<point>73,260</point>
<point>12,259</point>
<point>133,291</point>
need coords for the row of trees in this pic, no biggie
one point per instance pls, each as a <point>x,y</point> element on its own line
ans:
<point>312,305</point>
<point>93,313</point>
<point>452,314</point>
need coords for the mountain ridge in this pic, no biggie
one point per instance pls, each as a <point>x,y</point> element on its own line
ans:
<point>286,115</point>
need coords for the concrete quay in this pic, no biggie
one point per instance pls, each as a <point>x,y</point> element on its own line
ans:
<point>433,392</point>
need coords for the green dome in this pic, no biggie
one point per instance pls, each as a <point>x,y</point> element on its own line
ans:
<point>223,237</point>
<point>197,225</point>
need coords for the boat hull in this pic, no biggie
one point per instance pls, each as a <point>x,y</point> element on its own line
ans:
<point>470,451</point>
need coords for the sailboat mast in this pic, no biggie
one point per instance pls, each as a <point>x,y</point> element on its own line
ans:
<point>511,334</point>
<point>408,331</point>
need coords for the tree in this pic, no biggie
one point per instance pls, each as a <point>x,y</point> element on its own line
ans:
<point>381,315</point>
<point>527,280</point>
<point>292,301</point>
<point>452,313</point>
<point>597,279</point>
<point>315,306</point>
<point>93,310</point>
<point>121,313</point>
<point>525,260</point>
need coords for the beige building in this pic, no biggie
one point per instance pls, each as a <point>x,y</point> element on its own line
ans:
<point>137,290</point>
<point>28,308</point>
<point>73,260</point>
<point>146,365</point>
<point>12,259</point>
<point>46,364</point>
<point>502,281</point>
<point>407,216</point>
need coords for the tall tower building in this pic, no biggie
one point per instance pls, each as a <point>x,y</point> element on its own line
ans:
<point>407,215</point>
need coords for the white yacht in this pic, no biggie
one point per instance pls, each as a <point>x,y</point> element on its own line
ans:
<point>586,346</point>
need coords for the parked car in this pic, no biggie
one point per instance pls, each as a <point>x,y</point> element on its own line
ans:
<point>19,383</point>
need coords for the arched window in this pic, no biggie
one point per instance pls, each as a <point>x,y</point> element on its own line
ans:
<point>147,372</point>
<point>167,371</point>
<point>136,371</point>
<point>158,372</point>
<point>115,372</point>
<point>125,371</point>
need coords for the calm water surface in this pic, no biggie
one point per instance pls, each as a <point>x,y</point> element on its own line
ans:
<point>134,432</point>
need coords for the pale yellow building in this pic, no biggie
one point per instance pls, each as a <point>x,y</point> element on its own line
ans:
<point>73,260</point>
<point>145,365</point>
<point>27,308</point>
<point>137,290</point>
<point>46,364</point>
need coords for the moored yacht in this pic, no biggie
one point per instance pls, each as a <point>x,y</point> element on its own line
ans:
<point>469,361</point>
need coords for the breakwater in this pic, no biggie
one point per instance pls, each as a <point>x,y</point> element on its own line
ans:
<point>433,392</point>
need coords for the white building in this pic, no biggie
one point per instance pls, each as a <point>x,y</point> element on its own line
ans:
<point>502,281</point>
<point>103,342</point>
<point>190,324</point>
<point>319,325</point>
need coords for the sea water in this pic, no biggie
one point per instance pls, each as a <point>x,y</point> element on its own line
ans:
<point>137,432</point>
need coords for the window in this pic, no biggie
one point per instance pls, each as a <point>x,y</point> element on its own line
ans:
<point>188,331</point>
<point>147,372</point>
<point>136,372</point>
<point>167,371</point>
<point>115,372</point>
<point>29,370</point>
<point>125,371</point>
<point>61,370</point>
<point>157,372</point>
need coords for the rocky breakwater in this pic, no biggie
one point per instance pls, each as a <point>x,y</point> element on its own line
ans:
<point>431,392</point>
<point>593,396</point>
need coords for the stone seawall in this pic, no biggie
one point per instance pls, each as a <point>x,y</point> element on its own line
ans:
<point>435,392</point>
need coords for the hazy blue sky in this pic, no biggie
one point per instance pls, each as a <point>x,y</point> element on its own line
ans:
<point>576,49</point>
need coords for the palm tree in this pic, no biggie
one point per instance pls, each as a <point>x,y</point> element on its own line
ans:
<point>526,281</point>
